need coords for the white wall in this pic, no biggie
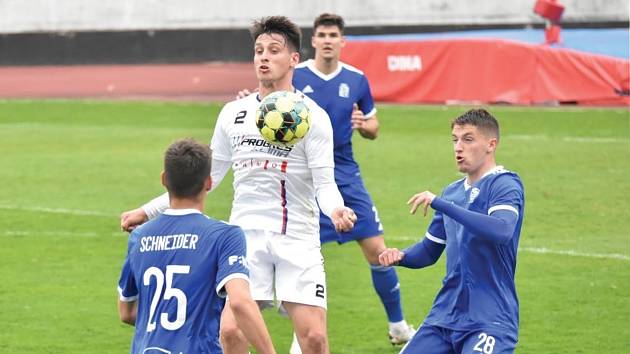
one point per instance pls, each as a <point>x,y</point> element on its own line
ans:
<point>80,15</point>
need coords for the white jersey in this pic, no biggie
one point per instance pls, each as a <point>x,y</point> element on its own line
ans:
<point>273,186</point>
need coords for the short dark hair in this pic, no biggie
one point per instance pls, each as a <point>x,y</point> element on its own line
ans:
<point>481,119</point>
<point>186,167</point>
<point>280,25</point>
<point>327,19</point>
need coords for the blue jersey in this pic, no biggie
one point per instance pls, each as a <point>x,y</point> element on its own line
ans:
<point>478,290</point>
<point>176,268</point>
<point>336,93</point>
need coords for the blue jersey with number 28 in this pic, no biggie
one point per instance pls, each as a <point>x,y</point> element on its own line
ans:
<point>478,290</point>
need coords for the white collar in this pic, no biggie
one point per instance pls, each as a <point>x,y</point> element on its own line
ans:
<point>178,212</point>
<point>257,94</point>
<point>493,170</point>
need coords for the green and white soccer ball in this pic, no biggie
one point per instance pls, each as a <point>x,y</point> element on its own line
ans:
<point>283,118</point>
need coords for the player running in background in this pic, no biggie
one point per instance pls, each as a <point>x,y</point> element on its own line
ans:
<point>344,93</point>
<point>275,192</point>
<point>180,266</point>
<point>478,221</point>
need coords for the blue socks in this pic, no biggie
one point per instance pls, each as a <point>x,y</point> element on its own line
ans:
<point>385,281</point>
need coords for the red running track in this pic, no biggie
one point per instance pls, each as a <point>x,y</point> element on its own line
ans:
<point>208,81</point>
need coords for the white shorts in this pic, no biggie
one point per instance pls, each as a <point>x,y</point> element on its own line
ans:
<point>294,266</point>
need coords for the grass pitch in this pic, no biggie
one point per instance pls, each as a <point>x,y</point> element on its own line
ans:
<point>68,168</point>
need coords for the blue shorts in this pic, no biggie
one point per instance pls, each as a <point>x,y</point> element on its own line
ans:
<point>356,197</point>
<point>438,340</point>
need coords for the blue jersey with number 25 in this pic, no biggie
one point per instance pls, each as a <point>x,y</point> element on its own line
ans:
<point>176,268</point>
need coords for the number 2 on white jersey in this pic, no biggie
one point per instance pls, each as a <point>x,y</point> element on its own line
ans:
<point>169,292</point>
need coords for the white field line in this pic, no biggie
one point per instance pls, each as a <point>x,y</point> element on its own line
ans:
<point>539,250</point>
<point>568,139</point>
<point>543,250</point>
<point>58,210</point>
<point>9,233</point>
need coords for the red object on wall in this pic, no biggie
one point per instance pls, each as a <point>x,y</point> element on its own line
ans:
<point>552,34</point>
<point>487,71</point>
<point>549,9</point>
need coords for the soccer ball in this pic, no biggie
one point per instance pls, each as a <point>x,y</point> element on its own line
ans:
<point>283,118</point>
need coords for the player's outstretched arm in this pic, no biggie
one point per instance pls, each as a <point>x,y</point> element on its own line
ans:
<point>330,200</point>
<point>130,219</point>
<point>248,316</point>
<point>498,227</point>
<point>127,311</point>
<point>419,255</point>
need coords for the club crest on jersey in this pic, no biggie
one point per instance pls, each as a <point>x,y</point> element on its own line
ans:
<point>344,90</point>
<point>473,195</point>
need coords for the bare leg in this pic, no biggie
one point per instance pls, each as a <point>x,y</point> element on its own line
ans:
<point>309,324</point>
<point>232,339</point>
<point>385,281</point>
<point>372,247</point>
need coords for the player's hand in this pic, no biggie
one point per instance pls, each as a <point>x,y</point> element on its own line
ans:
<point>358,118</point>
<point>367,127</point>
<point>391,256</point>
<point>343,218</point>
<point>129,220</point>
<point>425,198</point>
<point>243,93</point>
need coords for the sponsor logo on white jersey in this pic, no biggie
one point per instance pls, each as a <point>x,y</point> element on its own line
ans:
<point>260,145</point>
<point>404,63</point>
<point>256,164</point>
<point>307,89</point>
<point>344,90</point>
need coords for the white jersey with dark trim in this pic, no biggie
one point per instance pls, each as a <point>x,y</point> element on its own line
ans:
<point>273,186</point>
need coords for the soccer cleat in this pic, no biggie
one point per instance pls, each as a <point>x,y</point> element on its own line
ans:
<point>401,335</point>
<point>295,346</point>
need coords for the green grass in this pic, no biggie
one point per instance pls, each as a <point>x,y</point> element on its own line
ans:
<point>59,268</point>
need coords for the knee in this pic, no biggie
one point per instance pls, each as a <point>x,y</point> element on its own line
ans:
<point>316,340</point>
<point>371,254</point>
<point>372,258</point>
<point>231,335</point>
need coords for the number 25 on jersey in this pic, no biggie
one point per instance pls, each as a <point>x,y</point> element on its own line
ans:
<point>169,292</point>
